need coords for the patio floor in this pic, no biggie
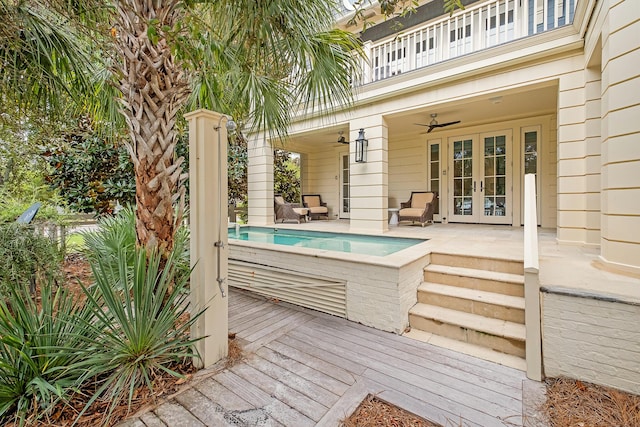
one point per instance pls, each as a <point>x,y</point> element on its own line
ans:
<point>305,368</point>
<point>570,266</point>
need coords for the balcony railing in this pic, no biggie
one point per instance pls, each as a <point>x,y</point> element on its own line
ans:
<point>477,27</point>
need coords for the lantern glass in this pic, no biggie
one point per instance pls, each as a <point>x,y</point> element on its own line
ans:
<point>361,148</point>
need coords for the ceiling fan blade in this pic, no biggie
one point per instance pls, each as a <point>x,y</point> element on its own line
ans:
<point>432,127</point>
<point>440,125</point>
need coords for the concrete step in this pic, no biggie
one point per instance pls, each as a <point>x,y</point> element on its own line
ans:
<point>496,334</point>
<point>489,304</point>
<point>470,349</point>
<point>482,280</point>
<point>512,266</point>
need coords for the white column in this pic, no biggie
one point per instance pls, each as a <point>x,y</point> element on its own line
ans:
<point>578,160</point>
<point>260,181</point>
<point>208,223</point>
<point>620,110</point>
<point>370,180</point>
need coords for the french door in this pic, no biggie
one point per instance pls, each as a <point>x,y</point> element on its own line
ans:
<point>480,178</point>
<point>345,191</point>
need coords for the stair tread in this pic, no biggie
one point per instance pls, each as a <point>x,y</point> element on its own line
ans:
<point>475,273</point>
<point>473,294</point>
<point>468,348</point>
<point>497,327</point>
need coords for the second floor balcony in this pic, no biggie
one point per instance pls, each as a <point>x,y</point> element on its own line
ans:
<point>479,26</point>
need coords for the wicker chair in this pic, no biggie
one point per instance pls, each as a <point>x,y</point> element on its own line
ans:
<point>317,208</point>
<point>420,207</point>
<point>285,211</point>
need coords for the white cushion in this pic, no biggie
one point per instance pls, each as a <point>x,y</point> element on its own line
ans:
<point>280,200</point>
<point>301,211</point>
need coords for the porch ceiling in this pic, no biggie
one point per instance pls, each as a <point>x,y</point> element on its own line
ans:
<point>489,108</point>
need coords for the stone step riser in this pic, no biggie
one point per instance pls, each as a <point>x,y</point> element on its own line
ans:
<point>506,288</point>
<point>478,263</point>
<point>502,344</point>
<point>494,311</point>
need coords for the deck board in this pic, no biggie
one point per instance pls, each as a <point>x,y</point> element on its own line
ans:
<point>305,368</point>
<point>471,407</point>
<point>425,367</point>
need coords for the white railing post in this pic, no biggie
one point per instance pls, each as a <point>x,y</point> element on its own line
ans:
<point>531,281</point>
<point>368,61</point>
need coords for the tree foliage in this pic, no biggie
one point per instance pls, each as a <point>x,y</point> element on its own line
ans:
<point>286,175</point>
<point>91,173</point>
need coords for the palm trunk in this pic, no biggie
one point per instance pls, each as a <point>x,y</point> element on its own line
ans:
<point>154,88</point>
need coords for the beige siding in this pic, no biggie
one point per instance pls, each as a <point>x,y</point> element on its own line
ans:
<point>321,176</point>
<point>407,169</point>
<point>620,112</point>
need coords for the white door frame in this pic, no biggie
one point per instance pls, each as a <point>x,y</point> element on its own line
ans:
<point>472,189</point>
<point>343,172</point>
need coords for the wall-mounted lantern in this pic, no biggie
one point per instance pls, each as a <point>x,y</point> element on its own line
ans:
<point>361,148</point>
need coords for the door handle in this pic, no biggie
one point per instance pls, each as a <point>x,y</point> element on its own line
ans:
<point>474,186</point>
<point>481,184</point>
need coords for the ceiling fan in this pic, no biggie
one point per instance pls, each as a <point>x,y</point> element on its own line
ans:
<point>434,123</point>
<point>341,138</point>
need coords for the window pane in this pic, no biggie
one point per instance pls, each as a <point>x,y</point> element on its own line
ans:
<point>457,149</point>
<point>488,166</point>
<point>468,188</point>
<point>501,165</point>
<point>488,147</point>
<point>457,168</point>
<point>500,186</point>
<point>457,187</point>
<point>435,153</point>
<point>468,168</point>
<point>489,187</point>
<point>434,171</point>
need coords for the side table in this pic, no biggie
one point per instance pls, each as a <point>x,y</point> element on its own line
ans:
<point>393,221</point>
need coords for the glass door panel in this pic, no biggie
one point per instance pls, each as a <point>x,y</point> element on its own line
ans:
<point>345,191</point>
<point>480,179</point>
<point>462,167</point>
<point>495,179</point>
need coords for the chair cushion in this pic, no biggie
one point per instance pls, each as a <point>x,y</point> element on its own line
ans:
<point>416,212</point>
<point>312,201</point>
<point>301,211</point>
<point>318,209</point>
<point>280,200</point>
<point>420,200</point>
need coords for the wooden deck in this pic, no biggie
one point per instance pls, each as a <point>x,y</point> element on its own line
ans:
<point>305,368</point>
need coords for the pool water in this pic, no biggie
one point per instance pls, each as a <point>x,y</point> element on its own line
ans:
<point>341,242</point>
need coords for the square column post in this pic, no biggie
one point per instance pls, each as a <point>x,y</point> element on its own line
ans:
<point>620,240</point>
<point>370,181</point>
<point>208,223</point>
<point>260,181</point>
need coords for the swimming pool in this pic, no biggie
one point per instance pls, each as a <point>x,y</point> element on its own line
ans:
<point>340,242</point>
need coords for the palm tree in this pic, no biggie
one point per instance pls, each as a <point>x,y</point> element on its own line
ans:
<point>43,58</point>
<point>253,58</point>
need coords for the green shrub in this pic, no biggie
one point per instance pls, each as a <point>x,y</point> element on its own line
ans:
<point>25,255</point>
<point>43,351</point>
<point>145,328</point>
<point>117,234</point>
